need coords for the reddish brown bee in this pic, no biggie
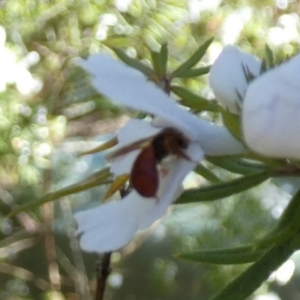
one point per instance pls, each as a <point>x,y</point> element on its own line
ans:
<point>144,176</point>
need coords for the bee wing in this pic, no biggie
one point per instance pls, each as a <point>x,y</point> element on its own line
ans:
<point>126,149</point>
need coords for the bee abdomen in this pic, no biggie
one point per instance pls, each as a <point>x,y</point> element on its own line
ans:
<point>144,175</point>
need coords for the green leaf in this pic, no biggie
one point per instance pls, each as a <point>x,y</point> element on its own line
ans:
<point>117,184</point>
<point>163,60</point>
<point>269,57</point>
<point>133,62</point>
<point>194,101</point>
<point>223,190</point>
<point>290,218</point>
<point>194,72</point>
<point>106,145</point>
<point>100,177</point>
<point>164,54</point>
<point>157,63</point>
<point>232,123</point>
<point>270,162</point>
<point>273,238</point>
<point>263,67</point>
<point>286,239</point>
<point>238,165</point>
<point>225,256</point>
<point>193,60</point>
<point>207,174</point>
<point>160,61</point>
<point>287,227</point>
<point>245,284</point>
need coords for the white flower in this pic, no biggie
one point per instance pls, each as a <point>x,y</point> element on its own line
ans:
<point>112,225</point>
<point>285,32</point>
<point>234,23</point>
<point>13,72</point>
<point>227,76</point>
<point>271,112</point>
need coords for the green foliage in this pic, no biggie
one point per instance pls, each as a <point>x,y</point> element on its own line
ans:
<point>194,101</point>
<point>230,256</point>
<point>184,70</point>
<point>232,122</point>
<point>160,60</point>
<point>224,189</point>
<point>251,279</point>
<point>43,131</point>
<point>133,62</point>
<point>96,179</point>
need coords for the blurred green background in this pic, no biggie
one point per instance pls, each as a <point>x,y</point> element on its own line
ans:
<point>49,114</point>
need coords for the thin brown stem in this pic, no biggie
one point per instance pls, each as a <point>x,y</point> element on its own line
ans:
<point>103,271</point>
<point>49,241</point>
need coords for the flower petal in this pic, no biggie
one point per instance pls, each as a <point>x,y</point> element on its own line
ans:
<point>271,112</point>
<point>130,87</point>
<point>214,140</point>
<point>227,76</point>
<point>112,225</point>
<point>171,184</point>
<point>134,130</point>
<point>218,141</point>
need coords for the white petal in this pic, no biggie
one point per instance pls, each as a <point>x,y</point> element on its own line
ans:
<point>217,141</point>
<point>130,87</point>
<point>227,77</point>
<point>214,140</point>
<point>271,112</point>
<point>111,225</point>
<point>171,184</point>
<point>134,90</point>
<point>134,130</point>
